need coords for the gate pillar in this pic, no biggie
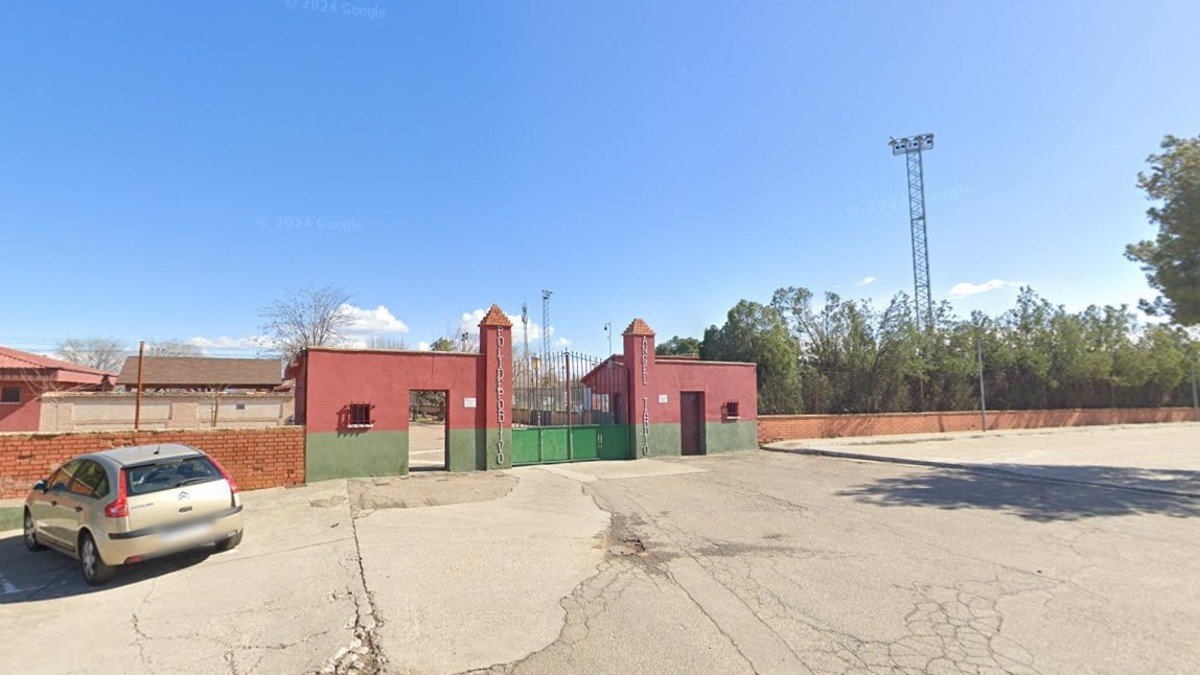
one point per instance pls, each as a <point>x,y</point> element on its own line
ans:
<point>495,344</point>
<point>639,362</point>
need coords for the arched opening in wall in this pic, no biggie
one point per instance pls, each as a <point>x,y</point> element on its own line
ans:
<point>428,430</point>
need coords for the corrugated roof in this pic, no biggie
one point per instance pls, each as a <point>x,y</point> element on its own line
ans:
<point>15,358</point>
<point>199,371</point>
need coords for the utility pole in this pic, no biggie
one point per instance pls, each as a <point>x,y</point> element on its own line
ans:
<point>982,394</point>
<point>546,326</point>
<point>608,331</point>
<point>1195,399</point>
<point>525,327</point>
<point>912,147</point>
<point>137,406</point>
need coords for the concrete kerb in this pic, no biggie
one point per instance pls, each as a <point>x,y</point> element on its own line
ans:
<point>901,439</point>
<point>966,466</point>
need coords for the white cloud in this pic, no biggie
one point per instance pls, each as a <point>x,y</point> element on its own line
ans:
<point>965,288</point>
<point>562,342</point>
<point>367,322</point>
<point>423,346</point>
<point>469,323</point>
<point>364,324</point>
<point>865,281</point>
<point>223,342</point>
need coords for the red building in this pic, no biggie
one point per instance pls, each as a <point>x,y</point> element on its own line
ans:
<point>355,405</point>
<point>24,377</point>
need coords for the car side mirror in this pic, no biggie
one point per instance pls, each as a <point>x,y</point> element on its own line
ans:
<point>40,485</point>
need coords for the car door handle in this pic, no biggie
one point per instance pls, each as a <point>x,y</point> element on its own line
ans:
<point>78,509</point>
<point>53,502</point>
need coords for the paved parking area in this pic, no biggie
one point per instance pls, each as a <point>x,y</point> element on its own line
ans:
<point>753,562</point>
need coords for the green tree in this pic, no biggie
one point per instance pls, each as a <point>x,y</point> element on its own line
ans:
<point>1172,261</point>
<point>757,333</point>
<point>445,344</point>
<point>678,346</point>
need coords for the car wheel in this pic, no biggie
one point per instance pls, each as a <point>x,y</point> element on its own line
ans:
<point>31,541</point>
<point>230,543</point>
<point>95,571</point>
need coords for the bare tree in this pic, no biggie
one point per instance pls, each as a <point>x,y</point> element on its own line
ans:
<point>309,317</point>
<point>97,352</point>
<point>386,342</point>
<point>172,348</point>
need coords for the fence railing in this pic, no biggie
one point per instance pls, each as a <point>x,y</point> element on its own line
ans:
<point>567,389</point>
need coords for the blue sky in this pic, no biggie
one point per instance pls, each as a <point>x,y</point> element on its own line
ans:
<point>171,167</point>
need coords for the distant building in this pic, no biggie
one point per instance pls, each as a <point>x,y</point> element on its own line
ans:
<point>197,373</point>
<point>25,377</point>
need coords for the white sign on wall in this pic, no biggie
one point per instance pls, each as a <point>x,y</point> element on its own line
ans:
<point>469,402</point>
<point>662,398</point>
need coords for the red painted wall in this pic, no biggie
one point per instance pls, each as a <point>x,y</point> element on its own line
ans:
<point>384,379</point>
<point>23,416</point>
<point>719,381</point>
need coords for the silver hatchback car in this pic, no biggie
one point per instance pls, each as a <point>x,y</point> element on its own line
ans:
<point>121,506</point>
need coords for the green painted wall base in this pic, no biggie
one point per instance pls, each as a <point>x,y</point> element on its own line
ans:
<point>355,455</point>
<point>385,453</point>
<point>730,436</point>
<point>666,440</point>
<point>464,450</point>
<point>11,518</point>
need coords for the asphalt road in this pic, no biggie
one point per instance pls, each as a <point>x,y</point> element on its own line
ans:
<point>754,562</point>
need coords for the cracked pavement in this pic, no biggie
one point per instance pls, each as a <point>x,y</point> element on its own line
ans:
<point>754,562</point>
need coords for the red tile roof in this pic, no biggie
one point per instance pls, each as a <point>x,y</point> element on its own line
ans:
<point>17,359</point>
<point>199,371</point>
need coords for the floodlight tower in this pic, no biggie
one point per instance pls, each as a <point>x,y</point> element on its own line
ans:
<point>546,325</point>
<point>525,327</point>
<point>912,147</point>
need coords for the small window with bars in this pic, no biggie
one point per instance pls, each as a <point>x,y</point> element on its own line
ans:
<point>360,416</point>
<point>730,410</point>
<point>10,395</point>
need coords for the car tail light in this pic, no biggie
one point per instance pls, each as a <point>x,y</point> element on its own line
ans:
<point>233,486</point>
<point>120,507</point>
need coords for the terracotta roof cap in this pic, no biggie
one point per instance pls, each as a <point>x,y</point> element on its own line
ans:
<point>638,327</point>
<point>495,317</point>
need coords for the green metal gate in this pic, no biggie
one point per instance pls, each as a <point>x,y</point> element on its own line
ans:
<point>567,408</point>
<point>545,445</point>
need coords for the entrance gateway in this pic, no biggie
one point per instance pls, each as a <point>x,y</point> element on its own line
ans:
<point>505,409</point>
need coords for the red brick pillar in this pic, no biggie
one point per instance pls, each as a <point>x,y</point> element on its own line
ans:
<point>495,343</point>
<point>639,362</point>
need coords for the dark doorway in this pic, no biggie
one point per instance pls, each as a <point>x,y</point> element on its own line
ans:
<point>691,422</point>
<point>428,431</point>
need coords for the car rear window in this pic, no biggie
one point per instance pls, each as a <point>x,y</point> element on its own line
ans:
<point>168,474</point>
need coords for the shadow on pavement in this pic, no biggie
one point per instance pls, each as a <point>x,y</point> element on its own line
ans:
<point>1042,493</point>
<point>31,576</point>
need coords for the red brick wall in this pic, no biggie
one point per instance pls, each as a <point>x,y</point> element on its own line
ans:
<point>257,458</point>
<point>773,428</point>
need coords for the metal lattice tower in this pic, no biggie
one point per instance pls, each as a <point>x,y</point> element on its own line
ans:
<point>525,328</point>
<point>912,147</point>
<point>546,325</point>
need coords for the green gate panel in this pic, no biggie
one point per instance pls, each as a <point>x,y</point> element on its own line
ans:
<point>584,443</point>
<point>554,444</point>
<point>613,441</point>
<point>525,446</point>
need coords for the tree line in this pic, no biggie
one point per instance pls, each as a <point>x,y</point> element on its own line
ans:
<point>848,356</point>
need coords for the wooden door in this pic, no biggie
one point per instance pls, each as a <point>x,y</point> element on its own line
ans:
<point>691,422</point>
